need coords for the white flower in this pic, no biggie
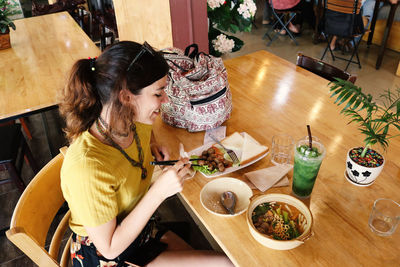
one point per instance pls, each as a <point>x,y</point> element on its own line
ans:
<point>247,9</point>
<point>215,3</point>
<point>223,44</point>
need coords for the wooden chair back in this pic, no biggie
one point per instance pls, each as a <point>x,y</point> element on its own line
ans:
<point>323,69</point>
<point>34,213</point>
<point>344,6</point>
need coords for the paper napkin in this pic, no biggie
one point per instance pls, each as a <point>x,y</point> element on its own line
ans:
<point>273,176</point>
<point>282,182</point>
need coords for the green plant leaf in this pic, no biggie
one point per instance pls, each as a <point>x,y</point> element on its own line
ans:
<point>385,130</point>
<point>13,26</point>
<point>336,91</point>
<point>345,97</point>
<point>357,103</point>
<point>351,102</point>
<point>234,28</point>
<point>398,108</point>
<point>397,126</point>
<point>342,93</point>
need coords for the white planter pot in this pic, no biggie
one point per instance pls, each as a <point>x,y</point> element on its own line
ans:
<point>360,175</point>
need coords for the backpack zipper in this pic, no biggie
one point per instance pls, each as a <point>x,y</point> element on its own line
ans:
<point>209,98</point>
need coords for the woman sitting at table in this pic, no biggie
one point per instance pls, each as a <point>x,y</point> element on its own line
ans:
<point>109,105</point>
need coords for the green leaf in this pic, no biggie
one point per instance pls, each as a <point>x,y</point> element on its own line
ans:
<point>397,126</point>
<point>234,28</point>
<point>385,130</point>
<point>351,101</point>
<point>340,97</point>
<point>398,108</point>
<point>336,91</point>
<point>345,97</point>
<point>12,26</point>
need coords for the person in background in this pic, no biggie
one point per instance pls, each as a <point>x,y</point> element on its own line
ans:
<point>267,14</point>
<point>367,11</point>
<point>109,106</point>
<point>341,8</point>
<point>290,5</point>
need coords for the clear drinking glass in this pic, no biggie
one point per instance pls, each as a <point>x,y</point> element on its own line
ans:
<point>282,147</point>
<point>385,216</point>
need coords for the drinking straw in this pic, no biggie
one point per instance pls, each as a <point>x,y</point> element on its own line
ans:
<point>309,136</point>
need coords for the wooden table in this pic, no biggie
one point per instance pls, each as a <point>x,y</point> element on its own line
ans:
<point>270,96</point>
<point>34,70</point>
<point>386,33</point>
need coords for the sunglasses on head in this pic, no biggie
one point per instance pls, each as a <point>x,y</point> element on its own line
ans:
<point>145,48</point>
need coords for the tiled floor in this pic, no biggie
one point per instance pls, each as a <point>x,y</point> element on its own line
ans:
<point>371,80</point>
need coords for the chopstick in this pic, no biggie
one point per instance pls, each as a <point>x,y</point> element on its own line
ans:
<point>171,162</point>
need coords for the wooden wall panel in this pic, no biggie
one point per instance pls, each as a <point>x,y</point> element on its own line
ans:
<point>141,21</point>
<point>394,37</point>
<point>189,23</point>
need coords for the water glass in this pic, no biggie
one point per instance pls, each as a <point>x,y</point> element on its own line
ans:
<point>385,216</point>
<point>282,148</point>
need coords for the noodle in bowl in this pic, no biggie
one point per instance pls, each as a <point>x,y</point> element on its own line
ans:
<point>305,221</point>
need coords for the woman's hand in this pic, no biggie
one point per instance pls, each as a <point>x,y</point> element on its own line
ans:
<point>171,180</point>
<point>159,152</point>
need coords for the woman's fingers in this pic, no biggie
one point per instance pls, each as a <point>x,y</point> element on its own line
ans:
<point>165,152</point>
<point>184,171</point>
<point>181,164</point>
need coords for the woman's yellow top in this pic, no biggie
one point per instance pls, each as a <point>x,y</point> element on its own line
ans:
<point>99,183</point>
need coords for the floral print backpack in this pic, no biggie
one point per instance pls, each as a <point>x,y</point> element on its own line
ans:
<point>198,90</point>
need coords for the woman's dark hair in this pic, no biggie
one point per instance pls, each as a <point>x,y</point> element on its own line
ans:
<point>93,83</point>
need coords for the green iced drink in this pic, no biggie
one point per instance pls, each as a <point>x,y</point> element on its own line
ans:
<point>306,166</point>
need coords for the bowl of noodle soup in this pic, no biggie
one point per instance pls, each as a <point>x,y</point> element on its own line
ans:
<point>279,221</point>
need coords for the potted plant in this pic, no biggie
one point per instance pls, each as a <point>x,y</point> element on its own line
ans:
<point>364,164</point>
<point>228,16</point>
<point>5,24</point>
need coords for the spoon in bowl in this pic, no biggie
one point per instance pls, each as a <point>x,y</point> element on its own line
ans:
<point>228,201</point>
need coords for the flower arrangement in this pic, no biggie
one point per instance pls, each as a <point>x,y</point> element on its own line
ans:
<point>223,44</point>
<point>228,16</point>
<point>5,22</point>
<point>374,120</point>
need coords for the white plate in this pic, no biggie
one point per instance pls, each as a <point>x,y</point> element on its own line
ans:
<point>211,193</point>
<point>197,152</point>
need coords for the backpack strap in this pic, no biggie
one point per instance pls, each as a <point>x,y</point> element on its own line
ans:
<point>195,51</point>
<point>176,65</point>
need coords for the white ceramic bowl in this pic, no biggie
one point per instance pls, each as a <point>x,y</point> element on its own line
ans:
<point>211,193</point>
<point>279,244</point>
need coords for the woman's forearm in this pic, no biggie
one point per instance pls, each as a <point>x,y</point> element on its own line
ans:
<point>133,224</point>
<point>111,239</point>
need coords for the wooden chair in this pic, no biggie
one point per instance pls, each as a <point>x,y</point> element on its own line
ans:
<point>34,213</point>
<point>323,69</point>
<point>342,18</point>
<point>104,21</point>
<point>13,150</point>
